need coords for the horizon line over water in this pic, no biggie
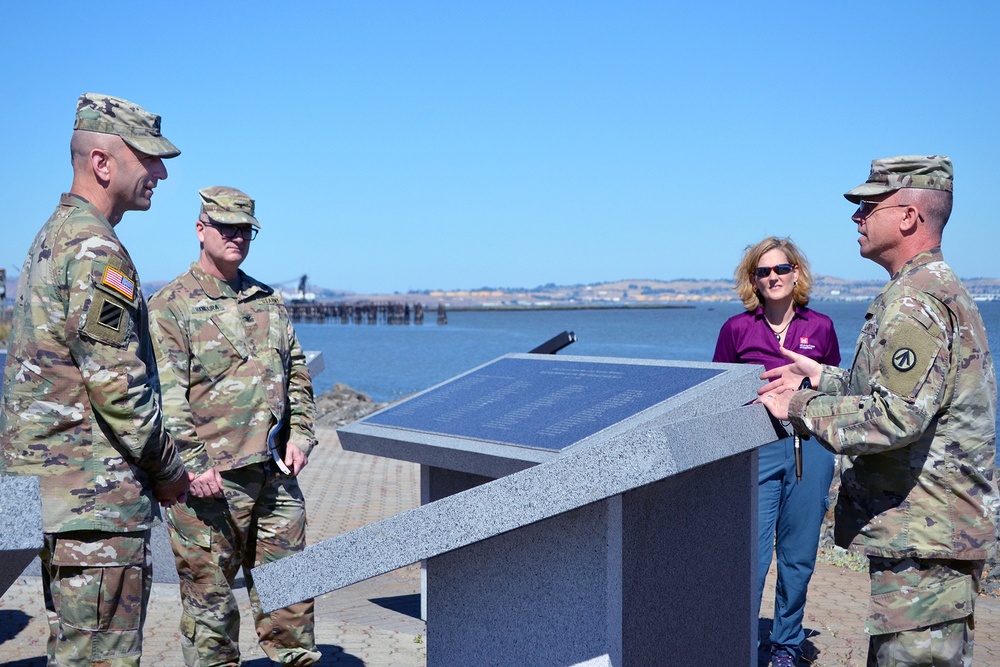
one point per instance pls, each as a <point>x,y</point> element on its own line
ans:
<point>390,362</point>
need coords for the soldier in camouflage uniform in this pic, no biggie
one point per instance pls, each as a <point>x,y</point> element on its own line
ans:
<point>81,397</point>
<point>915,418</point>
<point>232,372</point>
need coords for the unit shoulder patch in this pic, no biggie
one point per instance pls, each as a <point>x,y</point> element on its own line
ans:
<point>909,355</point>
<point>108,320</point>
<point>904,359</point>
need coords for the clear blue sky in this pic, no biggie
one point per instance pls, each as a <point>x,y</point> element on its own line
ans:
<point>419,145</point>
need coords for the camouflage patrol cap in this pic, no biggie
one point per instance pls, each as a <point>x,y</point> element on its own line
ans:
<point>112,115</point>
<point>227,206</point>
<point>928,172</point>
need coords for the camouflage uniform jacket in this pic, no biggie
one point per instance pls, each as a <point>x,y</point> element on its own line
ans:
<point>231,367</point>
<point>915,417</point>
<point>81,406</point>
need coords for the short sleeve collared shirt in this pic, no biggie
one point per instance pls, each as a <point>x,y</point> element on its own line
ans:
<point>747,339</point>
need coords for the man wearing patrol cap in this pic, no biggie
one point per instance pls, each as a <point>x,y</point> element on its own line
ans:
<point>233,373</point>
<point>914,417</point>
<point>81,396</point>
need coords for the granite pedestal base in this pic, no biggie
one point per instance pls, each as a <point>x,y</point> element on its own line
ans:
<point>659,575</point>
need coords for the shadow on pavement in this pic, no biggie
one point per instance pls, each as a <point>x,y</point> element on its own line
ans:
<point>12,622</point>
<point>403,604</point>
<point>332,655</point>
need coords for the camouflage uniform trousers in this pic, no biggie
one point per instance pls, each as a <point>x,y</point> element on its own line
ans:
<point>96,586</point>
<point>921,612</point>
<point>261,519</point>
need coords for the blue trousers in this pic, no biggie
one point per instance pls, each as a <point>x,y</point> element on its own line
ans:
<point>790,514</point>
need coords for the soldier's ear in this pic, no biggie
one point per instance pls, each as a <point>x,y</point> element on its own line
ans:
<point>908,223</point>
<point>101,164</point>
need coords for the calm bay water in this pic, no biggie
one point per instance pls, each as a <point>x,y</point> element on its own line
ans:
<point>389,362</point>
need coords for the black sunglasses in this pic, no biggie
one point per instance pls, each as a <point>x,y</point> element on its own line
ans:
<point>780,269</point>
<point>231,231</point>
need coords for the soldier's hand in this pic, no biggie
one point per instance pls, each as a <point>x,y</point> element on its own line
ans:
<point>174,492</point>
<point>777,404</point>
<point>789,377</point>
<point>207,485</point>
<point>295,459</point>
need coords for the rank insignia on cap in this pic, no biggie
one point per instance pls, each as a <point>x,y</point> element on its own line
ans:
<point>117,281</point>
<point>904,359</point>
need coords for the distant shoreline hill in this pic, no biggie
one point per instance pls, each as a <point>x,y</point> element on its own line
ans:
<point>620,293</point>
<point>632,292</point>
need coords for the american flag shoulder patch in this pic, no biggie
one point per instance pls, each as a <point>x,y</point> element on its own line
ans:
<point>119,282</point>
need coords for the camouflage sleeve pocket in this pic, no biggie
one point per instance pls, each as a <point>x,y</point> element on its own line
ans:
<point>109,320</point>
<point>906,363</point>
<point>278,335</point>
<point>110,316</point>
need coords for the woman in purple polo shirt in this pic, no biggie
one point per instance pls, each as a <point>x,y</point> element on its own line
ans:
<point>773,281</point>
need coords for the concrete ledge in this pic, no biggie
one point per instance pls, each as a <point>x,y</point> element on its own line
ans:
<point>314,362</point>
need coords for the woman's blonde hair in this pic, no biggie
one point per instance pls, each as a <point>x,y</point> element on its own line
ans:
<point>745,288</point>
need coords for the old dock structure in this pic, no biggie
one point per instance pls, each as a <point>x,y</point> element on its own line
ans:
<point>362,312</point>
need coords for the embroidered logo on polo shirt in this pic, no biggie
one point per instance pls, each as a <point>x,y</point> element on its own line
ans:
<point>117,281</point>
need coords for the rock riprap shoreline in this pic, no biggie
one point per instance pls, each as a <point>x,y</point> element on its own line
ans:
<point>343,405</point>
